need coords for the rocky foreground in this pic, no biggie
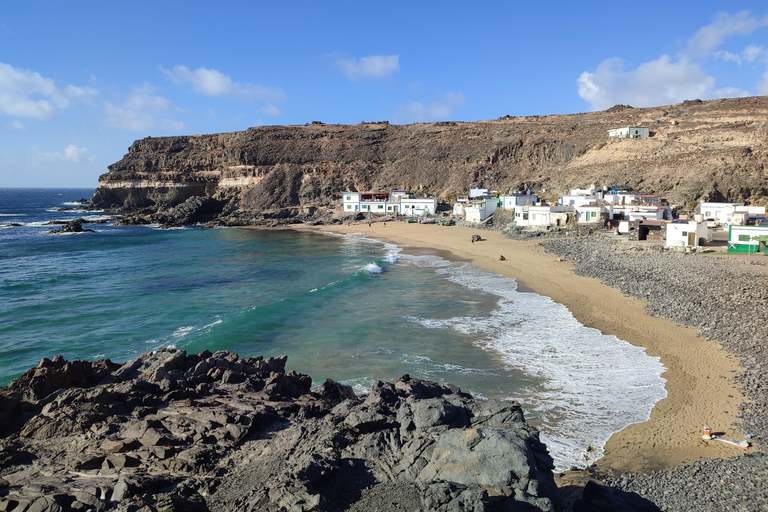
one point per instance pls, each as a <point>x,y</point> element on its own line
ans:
<point>170,431</point>
<point>728,300</point>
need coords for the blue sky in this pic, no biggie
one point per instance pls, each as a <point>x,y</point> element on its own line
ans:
<point>80,81</point>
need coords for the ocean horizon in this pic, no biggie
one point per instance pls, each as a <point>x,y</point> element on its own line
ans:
<point>348,308</point>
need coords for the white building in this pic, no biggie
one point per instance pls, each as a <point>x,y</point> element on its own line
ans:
<point>480,210</point>
<point>742,213</point>
<point>478,192</point>
<point>592,213</point>
<point>630,132</point>
<point>541,215</point>
<point>418,206</point>
<point>721,212</point>
<point>351,202</point>
<point>747,239</point>
<point>581,196</point>
<point>510,201</point>
<point>681,233</point>
<point>372,202</point>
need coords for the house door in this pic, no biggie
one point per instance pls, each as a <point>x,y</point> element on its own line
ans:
<point>692,238</point>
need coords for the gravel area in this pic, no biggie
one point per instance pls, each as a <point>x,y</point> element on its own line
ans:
<point>727,299</point>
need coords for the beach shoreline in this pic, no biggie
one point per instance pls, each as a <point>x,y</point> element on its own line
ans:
<point>699,374</point>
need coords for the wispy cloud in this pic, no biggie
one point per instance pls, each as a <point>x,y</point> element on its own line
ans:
<point>25,93</point>
<point>711,36</point>
<point>214,83</point>
<point>440,109</point>
<point>670,79</point>
<point>139,111</point>
<point>371,67</point>
<point>17,125</point>
<point>71,153</point>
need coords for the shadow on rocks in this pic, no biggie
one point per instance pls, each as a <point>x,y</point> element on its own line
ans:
<point>345,488</point>
<point>599,498</point>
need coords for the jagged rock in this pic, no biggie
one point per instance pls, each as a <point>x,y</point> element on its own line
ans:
<point>334,391</point>
<point>73,226</point>
<point>112,434</point>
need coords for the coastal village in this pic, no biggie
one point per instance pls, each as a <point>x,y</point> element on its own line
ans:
<point>639,215</point>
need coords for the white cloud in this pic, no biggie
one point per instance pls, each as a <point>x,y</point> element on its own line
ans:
<point>71,153</point>
<point>171,125</point>
<point>658,82</point>
<point>17,125</point>
<point>214,83</point>
<point>139,110</point>
<point>440,109</point>
<point>271,110</point>
<point>754,53</point>
<point>725,25</point>
<point>25,93</point>
<point>730,92</point>
<point>728,57</point>
<point>671,80</point>
<point>373,66</point>
<point>762,86</point>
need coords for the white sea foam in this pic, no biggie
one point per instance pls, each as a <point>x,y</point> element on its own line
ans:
<point>393,254</point>
<point>595,385</point>
<point>183,331</point>
<point>13,214</point>
<point>373,268</point>
<point>211,325</point>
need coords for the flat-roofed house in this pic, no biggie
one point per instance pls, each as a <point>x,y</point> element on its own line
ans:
<point>747,239</point>
<point>630,132</point>
<point>687,233</point>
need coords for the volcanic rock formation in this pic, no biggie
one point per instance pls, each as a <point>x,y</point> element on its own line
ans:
<point>170,431</point>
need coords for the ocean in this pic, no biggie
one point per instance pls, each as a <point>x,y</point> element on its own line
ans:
<point>342,307</point>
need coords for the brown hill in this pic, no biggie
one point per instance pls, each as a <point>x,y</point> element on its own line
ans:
<point>711,150</point>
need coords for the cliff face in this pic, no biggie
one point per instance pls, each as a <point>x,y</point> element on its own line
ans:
<point>714,150</point>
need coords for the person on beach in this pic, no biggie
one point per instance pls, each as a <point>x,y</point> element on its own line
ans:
<point>502,258</point>
<point>472,238</point>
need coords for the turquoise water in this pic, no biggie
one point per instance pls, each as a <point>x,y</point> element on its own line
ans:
<point>346,308</point>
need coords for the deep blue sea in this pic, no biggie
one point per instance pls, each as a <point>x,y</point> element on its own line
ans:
<point>341,307</point>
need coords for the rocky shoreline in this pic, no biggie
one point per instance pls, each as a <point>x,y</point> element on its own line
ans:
<point>170,431</point>
<point>727,299</point>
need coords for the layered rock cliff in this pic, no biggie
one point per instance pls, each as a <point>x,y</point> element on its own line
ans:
<point>713,150</point>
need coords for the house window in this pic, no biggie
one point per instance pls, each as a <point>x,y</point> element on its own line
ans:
<point>349,207</point>
<point>743,238</point>
<point>381,207</point>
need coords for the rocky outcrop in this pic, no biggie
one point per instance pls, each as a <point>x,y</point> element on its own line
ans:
<point>713,150</point>
<point>72,226</point>
<point>171,431</point>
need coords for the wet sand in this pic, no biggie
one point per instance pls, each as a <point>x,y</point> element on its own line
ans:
<point>699,374</point>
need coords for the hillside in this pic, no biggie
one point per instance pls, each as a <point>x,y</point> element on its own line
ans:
<point>711,150</point>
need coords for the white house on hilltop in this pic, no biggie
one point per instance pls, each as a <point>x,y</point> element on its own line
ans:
<point>630,132</point>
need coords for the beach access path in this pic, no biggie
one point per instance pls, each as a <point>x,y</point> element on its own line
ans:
<point>700,387</point>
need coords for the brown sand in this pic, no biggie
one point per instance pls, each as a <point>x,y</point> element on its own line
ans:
<point>699,374</point>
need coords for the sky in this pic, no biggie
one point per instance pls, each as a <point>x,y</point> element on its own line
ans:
<point>80,81</point>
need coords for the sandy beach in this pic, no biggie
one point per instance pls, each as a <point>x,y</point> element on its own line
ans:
<point>699,373</point>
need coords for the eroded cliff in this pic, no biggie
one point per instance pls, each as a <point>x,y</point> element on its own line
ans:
<point>714,150</point>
